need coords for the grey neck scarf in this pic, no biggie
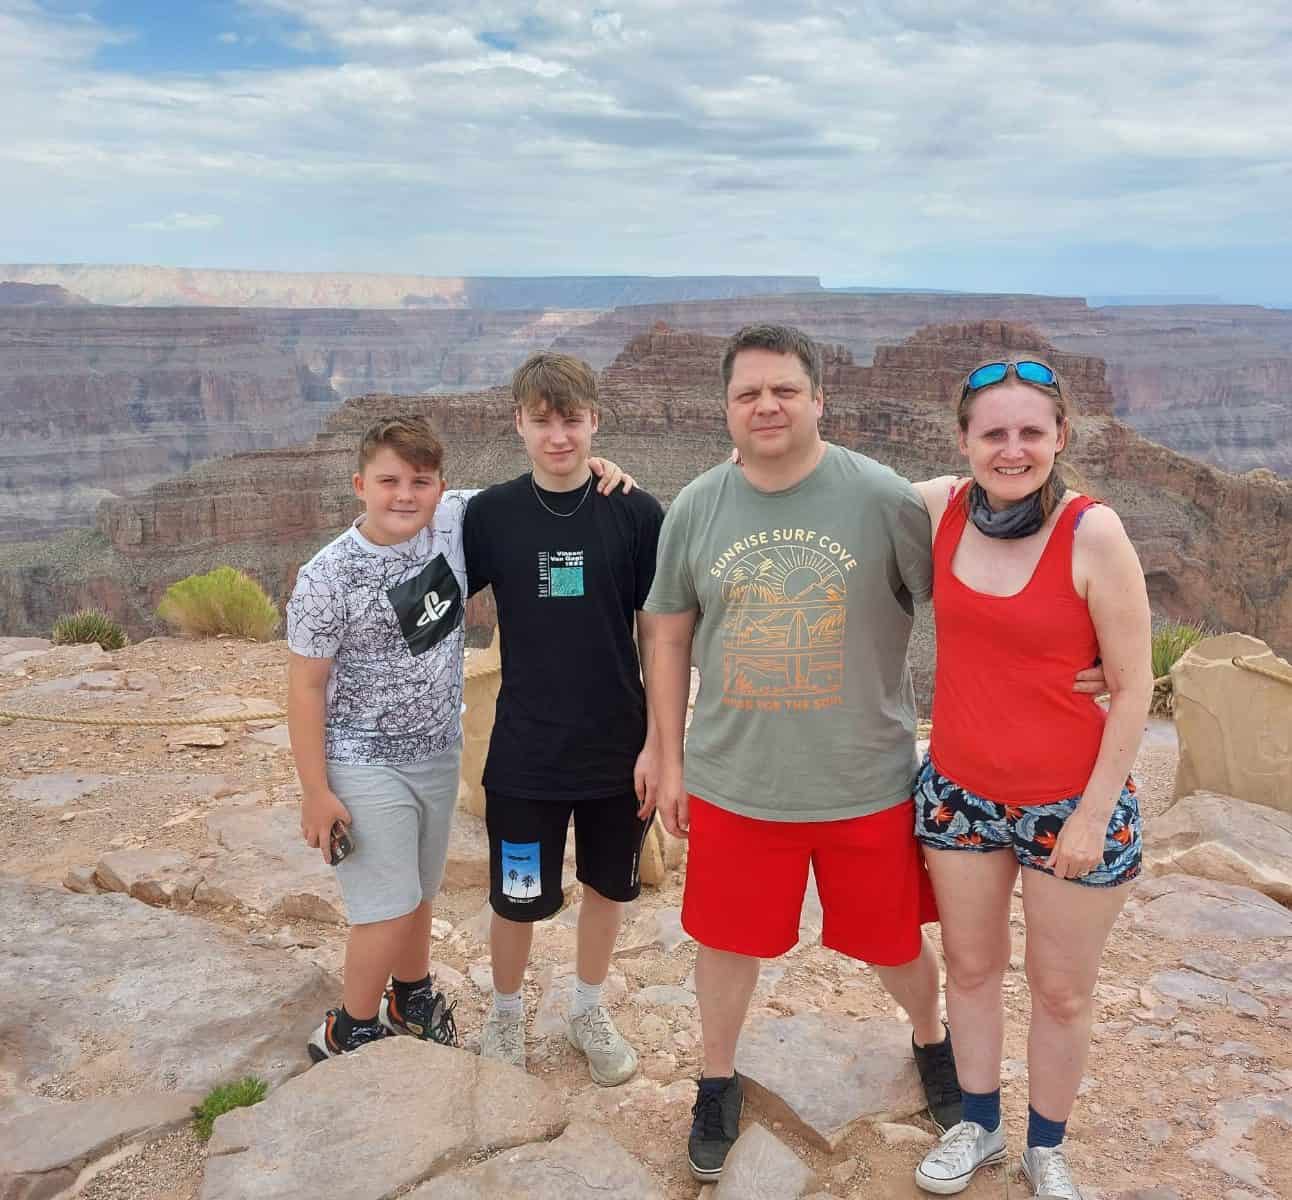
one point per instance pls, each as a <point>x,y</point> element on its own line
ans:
<point>1018,520</point>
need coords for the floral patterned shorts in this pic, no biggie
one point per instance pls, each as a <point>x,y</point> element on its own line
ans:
<point>949,818</point>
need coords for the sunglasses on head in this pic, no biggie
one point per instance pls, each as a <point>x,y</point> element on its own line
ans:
<point>1028,371</point>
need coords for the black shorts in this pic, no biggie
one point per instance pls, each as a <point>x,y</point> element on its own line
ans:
<point>527,848</point>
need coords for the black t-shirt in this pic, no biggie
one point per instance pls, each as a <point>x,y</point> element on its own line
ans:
<point>571,716</point>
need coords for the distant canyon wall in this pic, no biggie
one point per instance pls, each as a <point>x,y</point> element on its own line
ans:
<point>151,286</point>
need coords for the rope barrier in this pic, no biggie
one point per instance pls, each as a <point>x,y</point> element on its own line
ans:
<point>1246,664</point>
<point>9,715</point>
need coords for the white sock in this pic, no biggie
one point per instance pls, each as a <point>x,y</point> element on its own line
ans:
<point>586,996</point>
<point>509,1004</point>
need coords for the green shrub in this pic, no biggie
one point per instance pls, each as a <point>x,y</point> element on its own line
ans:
<point>225,1098</point>
<point>221,601</point>
<point>1170,643</point>
<point>88,625</point>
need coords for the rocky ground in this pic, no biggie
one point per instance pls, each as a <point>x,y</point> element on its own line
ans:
<point>228,964</point>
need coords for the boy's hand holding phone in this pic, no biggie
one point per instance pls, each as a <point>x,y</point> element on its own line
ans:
<point>320,811</point>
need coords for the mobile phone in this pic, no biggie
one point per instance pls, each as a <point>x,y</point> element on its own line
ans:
<point>342,844</point>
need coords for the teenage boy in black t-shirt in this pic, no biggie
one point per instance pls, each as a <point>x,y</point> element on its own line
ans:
<point>570,571</point>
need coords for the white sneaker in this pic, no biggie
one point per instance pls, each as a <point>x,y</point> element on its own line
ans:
<point>503,1039</point>
<point>1049,1174</point>
<point>950,1166</point>
<point>611,1060</point>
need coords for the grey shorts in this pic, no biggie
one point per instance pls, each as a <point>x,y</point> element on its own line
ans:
<point>400,819</point>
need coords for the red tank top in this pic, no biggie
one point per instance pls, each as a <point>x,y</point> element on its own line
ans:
<point>1007,725</point>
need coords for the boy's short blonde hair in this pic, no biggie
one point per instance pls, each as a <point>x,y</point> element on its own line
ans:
<point>559,382</point>
<point>409,437</point>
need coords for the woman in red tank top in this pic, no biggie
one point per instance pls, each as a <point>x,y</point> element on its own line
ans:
<point>1032,582</point>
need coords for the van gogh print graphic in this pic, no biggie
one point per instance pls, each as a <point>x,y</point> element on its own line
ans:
<point>783,629</point>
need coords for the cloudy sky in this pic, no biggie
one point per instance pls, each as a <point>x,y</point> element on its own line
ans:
<point>1097,148</point>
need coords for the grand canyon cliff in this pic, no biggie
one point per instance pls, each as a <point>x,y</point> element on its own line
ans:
<point>1215,546</point>
<point>100,401</point>
<point>151,286</point>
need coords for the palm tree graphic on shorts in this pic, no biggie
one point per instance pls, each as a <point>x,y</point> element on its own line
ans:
<point>513,875</point>
<point>527,882</point>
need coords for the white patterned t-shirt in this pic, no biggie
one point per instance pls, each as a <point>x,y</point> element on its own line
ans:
<point>391,619</point>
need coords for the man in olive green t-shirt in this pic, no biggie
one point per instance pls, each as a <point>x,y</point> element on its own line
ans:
<point>790,577</point>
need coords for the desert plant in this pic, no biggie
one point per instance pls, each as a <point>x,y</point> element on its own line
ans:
<point>88,625</point>
<point>221,601</point>
<point>1170,643</point>
<point>228,1096</point>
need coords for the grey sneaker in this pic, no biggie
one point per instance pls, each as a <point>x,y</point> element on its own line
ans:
<point>950,1166</point>
<point>503,1039</point>
<point>611,1060</point>
<point>1049,1174</point>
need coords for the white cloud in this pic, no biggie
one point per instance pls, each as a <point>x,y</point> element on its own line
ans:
<point>182,222</point>
<point>228,38</point>
<point>657,135</point>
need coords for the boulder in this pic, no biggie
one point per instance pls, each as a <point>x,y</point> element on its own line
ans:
<point>1235,725</point>
<point>1232,841</point>
<point>42,1152</point>
<point>264,866</point>
<point>396,1114</point>
<point>762,1167</point>
<point>158,996</point>
<point>1182,907</point>
<point>467,865</point>
<point>584,1163</point>
<point>661,853</point>
<point>821,1073</point>
<point>480,698</point>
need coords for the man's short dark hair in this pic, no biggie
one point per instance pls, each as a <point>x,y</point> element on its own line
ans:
<point>779,339</point>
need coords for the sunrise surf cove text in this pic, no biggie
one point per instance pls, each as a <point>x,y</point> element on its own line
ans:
<point>775,537</point>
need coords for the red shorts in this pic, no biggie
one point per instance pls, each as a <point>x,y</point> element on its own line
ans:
<point>746,878</point>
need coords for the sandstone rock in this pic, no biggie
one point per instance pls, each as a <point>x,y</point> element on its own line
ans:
<point>661,929</point>
<point>198,736</point>
<point>157,877</point>
<point>276,736</point>
<point>81,880</point>
<point>265,867</point>
<point>399,1113</point>
<point>1229,840</point>
<point>43,1152</point>
<point>55,789</point>
<point>584,1163</point>
<point>661,853</point>
<point>664,995</point>
<point>74,658</point>
<point>467,865</point>
<point>24,645</point>
<point>236,706</point>
<point>483,677</point>
<point>761,1167</point>
<point>822,1073</point>
<point>1203,992</point>
<point>157,995</point>
<point>558,992</point>
<point>1235,1121</point>
<point>1181,907</point>
<point>904,1135</point>
<point>1235,726</point>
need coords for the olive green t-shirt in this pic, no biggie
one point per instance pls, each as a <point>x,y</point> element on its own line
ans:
<point>804,599</point>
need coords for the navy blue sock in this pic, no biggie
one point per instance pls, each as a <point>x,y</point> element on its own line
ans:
<point>983,1108</point>
<point>1043,1132</point>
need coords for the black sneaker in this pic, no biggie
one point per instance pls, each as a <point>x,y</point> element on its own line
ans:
<point>715,1126</point>
<point>324,1043</point>
<point>427,1015</point>
<point>937,1067</point>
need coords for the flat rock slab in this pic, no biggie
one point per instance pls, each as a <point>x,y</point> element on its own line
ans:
<point>56,789</point>
<point>762,1167</point>
<point>584,1163</point>
<point>822,1073</point>
<point>158,996</point>
<point>44,1151</point>
<point>265,867</point>
<point>1232,841</point>
<point>1180,907</point>
<point>395,1114</point>
<point>157,877</point>
<point>275,736</point>
<point>1230,1150</point>
<point>558,993</point>
<point>1197,991</point>
<point>207,737</point>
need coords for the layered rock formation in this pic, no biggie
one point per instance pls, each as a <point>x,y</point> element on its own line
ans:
<point>1214,546</point>
<point>12,293</point>
<point>150,286</point>
<point>97,402</point>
